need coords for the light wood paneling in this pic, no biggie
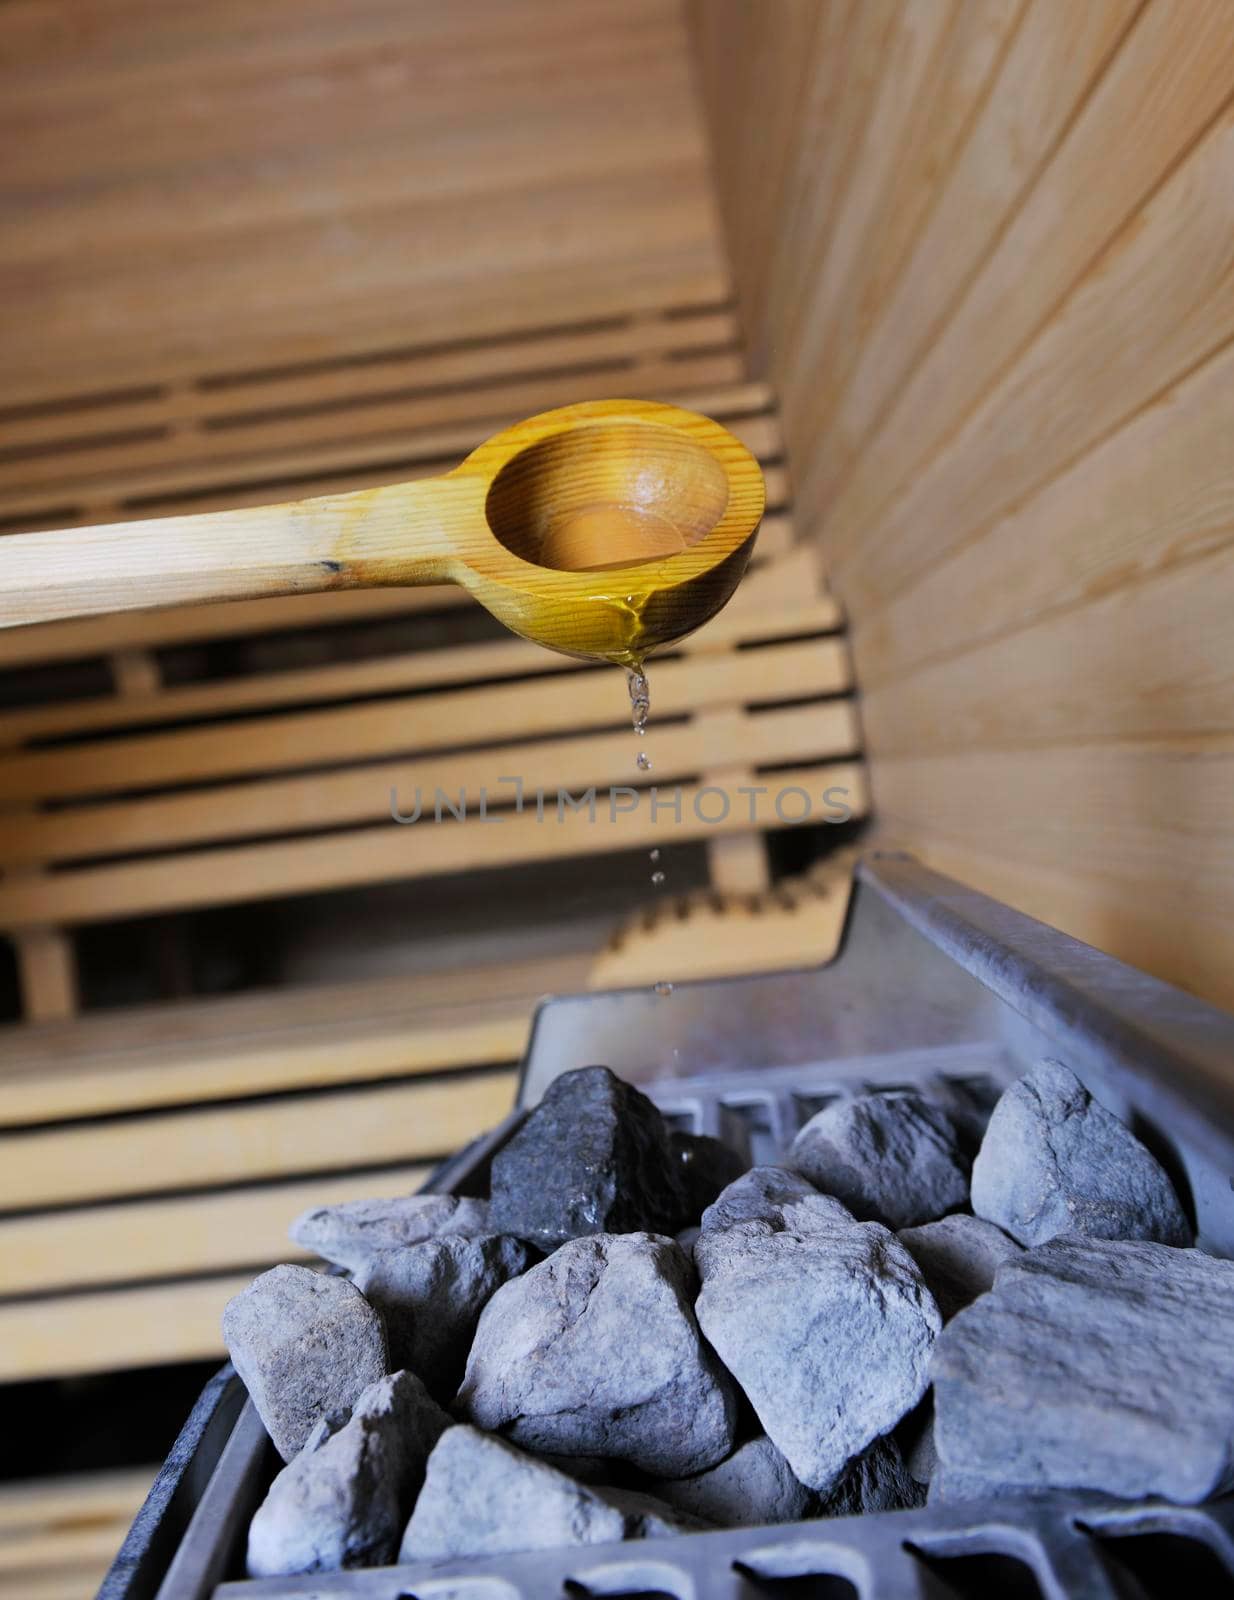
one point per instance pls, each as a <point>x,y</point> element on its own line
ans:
<point>1011,431</point>
<point>211,187</point>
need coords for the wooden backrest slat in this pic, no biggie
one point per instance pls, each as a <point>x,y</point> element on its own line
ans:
<point>212,449</point>
<point>277,1138</point>
<point>744,619</point>
<point>478,365</point>
<point>386,853</point>
<point>358,795</point>
<point>248,477</point>
<point>453,717</point>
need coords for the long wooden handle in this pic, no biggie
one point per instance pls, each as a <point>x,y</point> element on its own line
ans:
<point>388,535</point>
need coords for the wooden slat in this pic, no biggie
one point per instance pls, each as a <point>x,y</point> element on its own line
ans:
<point>215,1232</point>
<point>341,177</point>
<point>901,175</point>
<point>229,876</point>
<point>451,718</point>
<point>910,61</point>
<point>255,479</point>
<point>1082,377</point>
<point>1136,664</point>
<point>1055,56</point>
<point>747,617</point>
<point>239,1143</point>
<point>180,1053</point>
<point>1127,846</point>
<point>113,1495</point>
<point>1158,493</point>
<point>621,341</point>
<point>115,1328</point>
<point>318,801</point>
<point>1086,371</point>
<point>211,453</point>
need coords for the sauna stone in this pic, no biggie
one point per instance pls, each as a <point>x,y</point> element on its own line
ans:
<point>430,1296</point>
<point>344,1500</point>
<point>1092,1364</point>
<point>350,1234</point>
<point>596,1351</point>
<point>754,1485</point>
<point>482,1497</point>
<point>1055,1161</point>
<point>876,1480</point>
<point>894,1158</point>
<point>768,1290</point>
<point>958,1257</point>
<point>593,1157</point>
<point>307,1346</point>
<point>759,1195</point>
<point>706,1166</point>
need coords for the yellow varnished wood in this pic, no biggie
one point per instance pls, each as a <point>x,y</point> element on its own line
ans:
<point>606,529</point>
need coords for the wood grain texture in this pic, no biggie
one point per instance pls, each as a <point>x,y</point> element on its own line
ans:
<point>275,183</point>
<point>170,1150</point>
<point>670,501</point>
<point>1017,465</point>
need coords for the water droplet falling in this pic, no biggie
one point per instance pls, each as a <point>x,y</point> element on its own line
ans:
<point>640,699</point>
<point>664,988</point>
<point>654,854</point>
<point>657,878</point>
<point>643,761</point>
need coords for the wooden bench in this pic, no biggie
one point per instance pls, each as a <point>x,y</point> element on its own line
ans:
<point>151,1159</point>
<point>58,1535</point>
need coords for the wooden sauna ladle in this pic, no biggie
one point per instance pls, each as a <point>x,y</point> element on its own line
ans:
<point>603,530</point>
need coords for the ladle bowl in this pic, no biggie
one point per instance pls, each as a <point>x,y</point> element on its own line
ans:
<point>604,530</point>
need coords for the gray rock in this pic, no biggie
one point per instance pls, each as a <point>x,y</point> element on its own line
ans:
<point>483,1497</point>
<point>826,1324</point>
<point>648,1517</point>
<point>351,1233</point>
<point>1093,1364</point>
<point>754,1485</point>
<point>759,1195</point>
<point>877,1480</point>
<point>705,1166</point>
<point>593,1157</point>
<point>915,1437</point>
<point>1055,1161</point>
<point>958,1257</point>
<point>893,1157</point>
<point>344,1500</point>
<point>307,1346</point>
<point>584,1469</point>
<point>430,1296</point>
<point>596,1352</point>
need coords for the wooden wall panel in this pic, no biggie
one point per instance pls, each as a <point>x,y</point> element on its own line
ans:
<point>1007,379</point>
<point>239,183</point>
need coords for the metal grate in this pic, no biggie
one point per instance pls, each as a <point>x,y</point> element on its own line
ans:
<point>979,991</point>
